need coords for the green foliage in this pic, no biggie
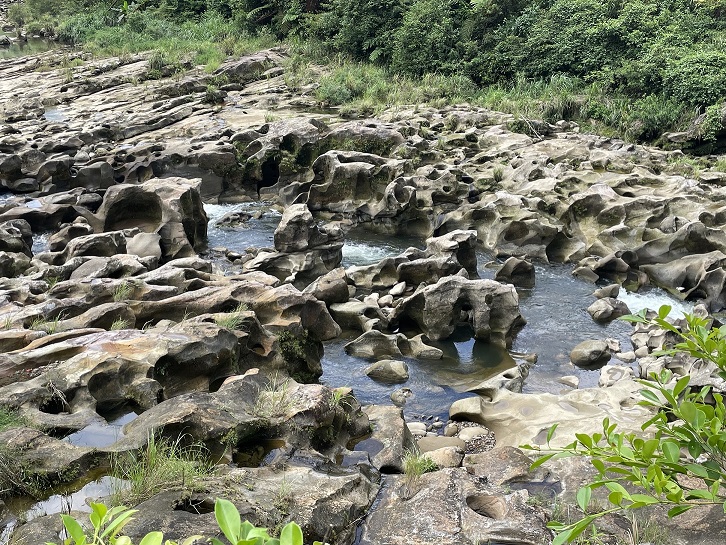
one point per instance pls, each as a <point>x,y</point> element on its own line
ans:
<point>14,479</point>
<point>233,320</point>
<point>107,525</point>
<point>362,29</point>
<point>712,123</point>
<point>698,79</point>
<point>682,463</point>
<point>428,39</point>
<point>416,464</point>
<point>10,419</point>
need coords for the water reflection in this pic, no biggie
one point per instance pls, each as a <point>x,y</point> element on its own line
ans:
<point>19,48</point>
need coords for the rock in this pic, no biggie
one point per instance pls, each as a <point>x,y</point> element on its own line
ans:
<point>516,271</point>
<point>451,506</point>
<point>611,290</point>
<point>416,428</point>
<point>298,232</point>
<point>400,396</point>
<point>446,456</point>
<point>570,380</point>
<point>607,309</point>
<point>388,371</point>
<point>428,444</point>
<point>590,354</point>
<point>169,207</point>
<point>470,432</point>
<point>518,419</point>
<point>610,374</point>
<point>490,308</point>
<point>390,438</point>
<point>330,288</point>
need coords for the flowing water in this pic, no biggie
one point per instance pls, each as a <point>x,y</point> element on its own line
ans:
<point>555,309</point>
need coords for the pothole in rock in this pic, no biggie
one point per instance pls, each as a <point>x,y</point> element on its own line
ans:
<point>493,507</point>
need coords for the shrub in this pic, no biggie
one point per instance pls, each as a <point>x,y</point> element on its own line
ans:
<point>429,38</point>
<point>682,465</point>
<point>698,79</point>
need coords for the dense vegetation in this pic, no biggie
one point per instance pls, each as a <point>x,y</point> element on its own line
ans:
<point>631,67</point>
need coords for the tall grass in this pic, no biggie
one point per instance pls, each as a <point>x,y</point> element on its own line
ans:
<point>161,465</point>
<point>208,41</point>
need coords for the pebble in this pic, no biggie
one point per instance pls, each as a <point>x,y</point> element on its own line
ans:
<point>570,380</point>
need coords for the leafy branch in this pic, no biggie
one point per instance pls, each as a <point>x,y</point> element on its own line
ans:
<point>681,461</point>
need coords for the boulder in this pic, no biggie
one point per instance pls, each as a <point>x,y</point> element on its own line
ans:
<point>169,207</point>
<point>451,506</point>
<point>590,354</point>
<point>388,371</point>
<point>607,309</point>
<point>516,271</point>
<point>490,308</point>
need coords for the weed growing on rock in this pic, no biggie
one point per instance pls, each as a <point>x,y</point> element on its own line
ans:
<point>274,400</point>
<point>233,320</point>
<point>10,419</point>
<point>498,174</point>
<point>118,324</point>
<point>416,464</point>
<point>339,398</point>
<point>122,291</point>
<point>161,465</point>
<point>14,478</point>
<point>49,325</point>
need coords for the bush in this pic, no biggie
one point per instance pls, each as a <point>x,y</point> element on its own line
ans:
<point>682,464</point>
<point>698,79</point>
<point>429,39</point>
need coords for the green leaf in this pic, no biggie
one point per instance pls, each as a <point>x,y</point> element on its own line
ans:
<point>678,509</point>
<point>616,498</point>
<point>698,470</point>
<point>599,465</point>
<point>585,439</point>
<point>541,460</point>
<point>551,432</point>
<point>642,498</point>
<point>291,535</point>
<point>664,311</point>
<point>562,538</point>
<point>152,538</point>
<point>583,497</point>
<point>700,494</point>
<point>650,396</point>
<point>228,519</point>
<point>671,451</point>
<point>118,523</point>
<point>681,385</point>
<point>74,529</point>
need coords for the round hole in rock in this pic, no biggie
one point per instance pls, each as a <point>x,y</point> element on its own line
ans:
<point>195,506</point>
<point>493,507</point>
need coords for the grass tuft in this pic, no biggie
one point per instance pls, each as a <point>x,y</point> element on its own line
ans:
<point>161,465</point>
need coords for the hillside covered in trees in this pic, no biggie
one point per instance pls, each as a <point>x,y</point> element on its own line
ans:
<point>635,68</point>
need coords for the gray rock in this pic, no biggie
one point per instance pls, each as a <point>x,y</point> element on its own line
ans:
<point>389,371</point>
<point>590,354</point>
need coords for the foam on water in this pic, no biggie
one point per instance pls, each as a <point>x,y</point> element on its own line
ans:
<point>653,299</point>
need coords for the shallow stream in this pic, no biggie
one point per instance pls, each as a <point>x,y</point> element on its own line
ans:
<point>555,309</point>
